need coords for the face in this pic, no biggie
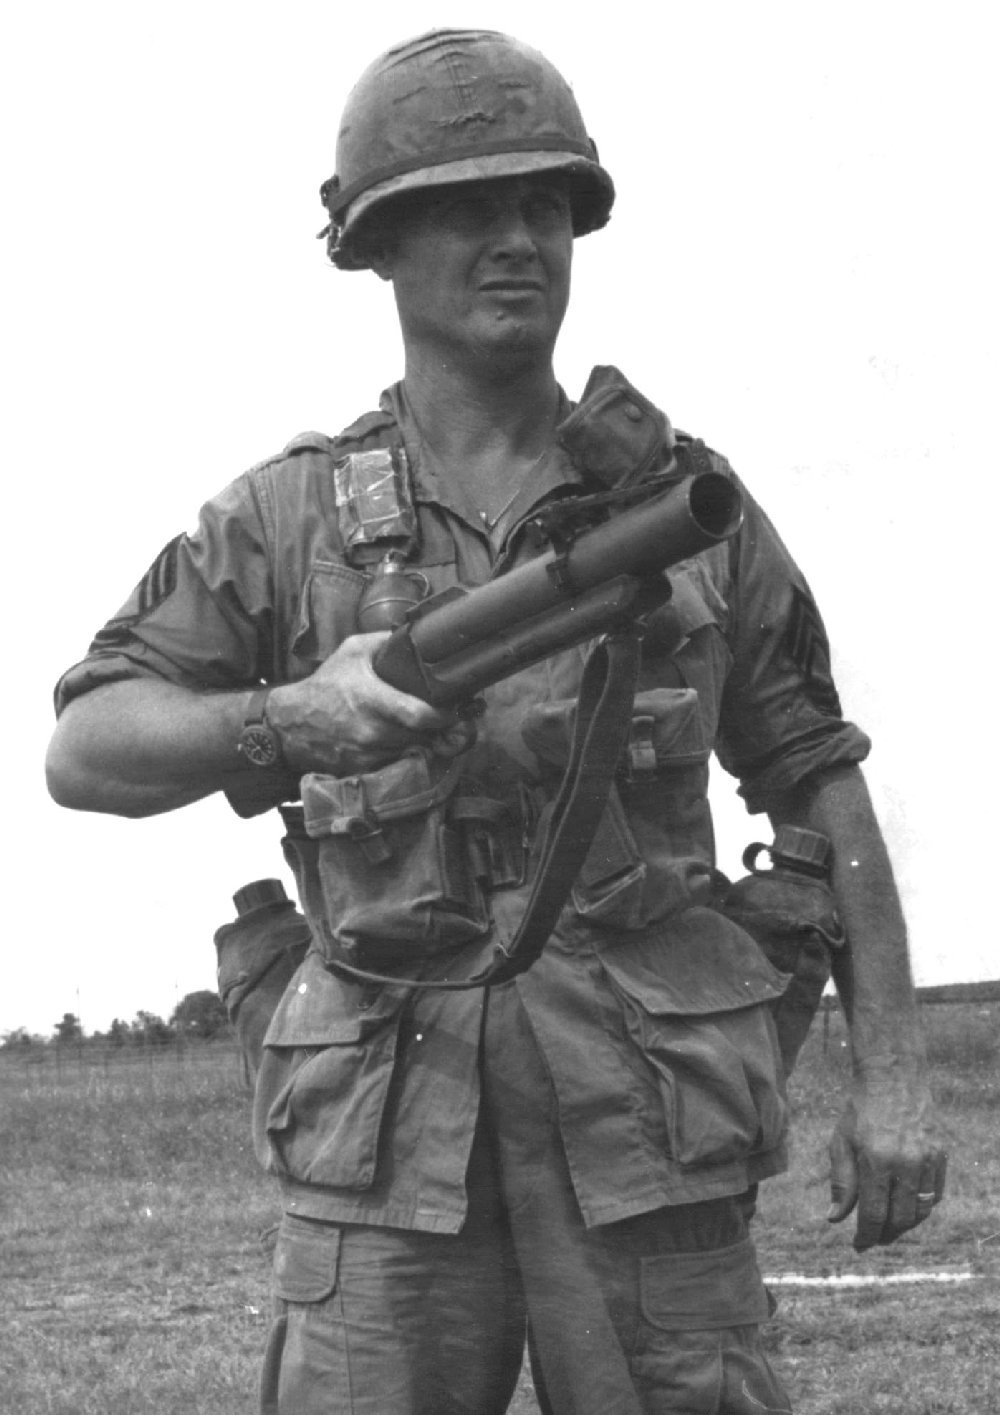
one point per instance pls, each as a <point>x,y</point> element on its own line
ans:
<point>482,268</point>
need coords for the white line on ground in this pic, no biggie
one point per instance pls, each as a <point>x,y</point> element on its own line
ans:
<point>865,1280</point>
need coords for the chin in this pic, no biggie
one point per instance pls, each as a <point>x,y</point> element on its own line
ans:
<point>509,332</point>
<point>513,356</point>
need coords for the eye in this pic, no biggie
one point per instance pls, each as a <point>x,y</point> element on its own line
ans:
<point>546,209</point>
<point>468,214</point>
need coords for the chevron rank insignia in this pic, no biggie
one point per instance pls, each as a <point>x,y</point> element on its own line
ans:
<point>809,649</point>
<point>158,583</point>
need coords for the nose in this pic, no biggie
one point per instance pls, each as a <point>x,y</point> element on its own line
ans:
<point>511,234</point>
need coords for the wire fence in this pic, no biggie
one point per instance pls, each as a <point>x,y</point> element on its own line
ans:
<point>44,1065</point>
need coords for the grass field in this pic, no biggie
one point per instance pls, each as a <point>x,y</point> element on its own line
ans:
<point>134,1222</point>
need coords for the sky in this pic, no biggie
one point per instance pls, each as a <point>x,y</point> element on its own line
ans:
<point>801,269</point>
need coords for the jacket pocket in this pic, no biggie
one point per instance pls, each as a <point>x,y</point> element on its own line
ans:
<point>396,875</point>
<point>696,1000</point>
<point>328,611</point>
<point>329,1057</point>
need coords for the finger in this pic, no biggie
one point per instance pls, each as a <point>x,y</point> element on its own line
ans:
<point>874,1196</point>
<point>405,710</point>
<point>354,671</point>
<point>931,1190</point>
<point>455,740</point>
<point>909,1204</point>
<point>355,655</point>
<point>913,1200</point>
<point>400,710</point>
<point>843,1179</point>
<point>931,1182</point>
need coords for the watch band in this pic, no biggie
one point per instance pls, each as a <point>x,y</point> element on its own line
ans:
<point>258,742</point>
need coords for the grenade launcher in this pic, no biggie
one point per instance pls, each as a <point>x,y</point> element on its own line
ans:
<point>590,582</point>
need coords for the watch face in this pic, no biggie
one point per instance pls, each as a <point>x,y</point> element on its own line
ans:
<point>258,745</point>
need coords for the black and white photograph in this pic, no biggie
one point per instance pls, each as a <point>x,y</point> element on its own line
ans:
<point>501,808</point>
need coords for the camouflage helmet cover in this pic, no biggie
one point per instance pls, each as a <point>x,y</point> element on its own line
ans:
<point>457,106</point>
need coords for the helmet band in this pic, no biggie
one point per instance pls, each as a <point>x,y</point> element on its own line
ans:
<point>344,196</point>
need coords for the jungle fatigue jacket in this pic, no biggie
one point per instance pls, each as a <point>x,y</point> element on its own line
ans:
<point>650,1008</point>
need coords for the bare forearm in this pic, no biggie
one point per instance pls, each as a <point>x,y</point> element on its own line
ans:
<point>872,972</point>
<point>141,747</point>
<point>885,1158</point>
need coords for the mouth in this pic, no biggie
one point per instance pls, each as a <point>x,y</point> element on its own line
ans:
<point>512,287</point>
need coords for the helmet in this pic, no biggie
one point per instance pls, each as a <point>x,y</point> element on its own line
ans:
<point>457,106</point>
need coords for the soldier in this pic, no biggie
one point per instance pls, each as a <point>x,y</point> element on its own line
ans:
<point>579,1144</point>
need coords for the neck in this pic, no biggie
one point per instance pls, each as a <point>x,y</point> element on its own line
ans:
<point>466,418</point>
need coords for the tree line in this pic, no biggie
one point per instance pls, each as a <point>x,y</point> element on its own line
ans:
<point>199,1016</point>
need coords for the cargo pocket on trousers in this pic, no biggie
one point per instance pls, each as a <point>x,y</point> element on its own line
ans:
<point>698,1348</point>
<point>696,1002</point>
<point>306,1260</point>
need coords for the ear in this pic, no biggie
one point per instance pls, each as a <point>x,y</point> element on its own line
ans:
<point>381,257</point>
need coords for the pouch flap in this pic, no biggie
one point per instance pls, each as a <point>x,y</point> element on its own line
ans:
<point>319,1010</point>
<point>676,731</point>
<point>694,964</point>
<point>328,609</point>
<point>667,717</point>
<point>306,1258</point>
<point>351,805</point>
<point>614,433</point>
<point>703,1291</point>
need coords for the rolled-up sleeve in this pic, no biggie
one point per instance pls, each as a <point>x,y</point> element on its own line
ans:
<point>781,719</point>
<point>201,616</point>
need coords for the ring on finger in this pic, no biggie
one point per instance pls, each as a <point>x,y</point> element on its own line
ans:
<point>926,1198</point>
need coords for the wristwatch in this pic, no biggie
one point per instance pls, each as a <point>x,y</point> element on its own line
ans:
<point>258,740</point>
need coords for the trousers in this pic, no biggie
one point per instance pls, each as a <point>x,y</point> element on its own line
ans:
<point>658,1313</point>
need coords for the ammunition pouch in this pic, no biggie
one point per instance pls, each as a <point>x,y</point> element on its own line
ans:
<point>395,867</point>
<point>640,868</point>
<point>407,857</point>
